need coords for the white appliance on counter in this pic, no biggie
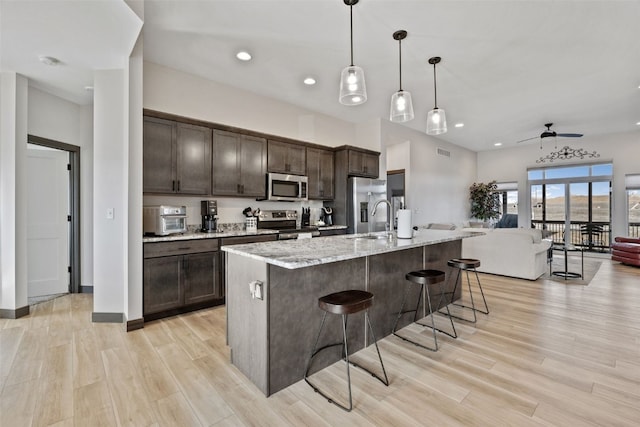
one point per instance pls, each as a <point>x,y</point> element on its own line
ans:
<point>363,193</point>
<point>164,220</point>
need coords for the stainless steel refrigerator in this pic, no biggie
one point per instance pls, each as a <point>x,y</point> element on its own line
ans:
<point>362,195</point>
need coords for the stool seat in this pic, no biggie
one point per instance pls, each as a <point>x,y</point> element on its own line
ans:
<point>426,277</point>
<point>346,302</point>
<point>463,263</point>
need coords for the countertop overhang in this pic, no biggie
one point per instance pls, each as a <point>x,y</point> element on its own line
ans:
<point>292,254</point>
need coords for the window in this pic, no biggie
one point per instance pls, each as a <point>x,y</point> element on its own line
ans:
<point>508,193</point>
<point>632,184</point>
<point>573,203</point>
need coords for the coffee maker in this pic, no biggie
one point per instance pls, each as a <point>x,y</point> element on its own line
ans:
<point>209,210</point>
<point>327,215</point>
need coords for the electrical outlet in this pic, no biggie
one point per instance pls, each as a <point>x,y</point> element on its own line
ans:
<point>110,213</point>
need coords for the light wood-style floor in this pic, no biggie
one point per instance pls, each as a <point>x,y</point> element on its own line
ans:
<point>549,354</point>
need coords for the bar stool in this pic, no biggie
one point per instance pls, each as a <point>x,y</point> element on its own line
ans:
<point>467,264</point>
<point>425,278</point>
<point>345,303</point>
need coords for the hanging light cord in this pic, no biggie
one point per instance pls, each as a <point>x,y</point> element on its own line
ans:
<point>400,61</point>
<point>351,25</point>
<point>435,90</point>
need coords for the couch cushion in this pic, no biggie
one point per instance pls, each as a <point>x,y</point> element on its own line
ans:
<point>627,247</point>
<point>536,235</point>
<point>628,240</point>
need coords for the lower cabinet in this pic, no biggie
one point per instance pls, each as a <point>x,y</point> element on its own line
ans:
<point>180,276</point>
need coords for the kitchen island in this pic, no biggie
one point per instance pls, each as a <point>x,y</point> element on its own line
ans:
<point>273,290</point>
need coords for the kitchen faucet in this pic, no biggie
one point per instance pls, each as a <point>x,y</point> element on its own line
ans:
<point>387,225</point>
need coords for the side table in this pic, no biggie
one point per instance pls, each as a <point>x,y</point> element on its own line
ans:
<point>566,273</point>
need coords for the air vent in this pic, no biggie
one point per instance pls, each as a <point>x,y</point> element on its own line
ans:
<point>443,152</point>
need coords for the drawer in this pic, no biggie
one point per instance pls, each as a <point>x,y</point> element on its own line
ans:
<point>179,247</point>
<point>248,239</point>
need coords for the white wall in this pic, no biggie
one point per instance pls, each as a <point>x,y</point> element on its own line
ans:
<point>436,187</point>
<point>110,190</point>
<point>175,92</point>
<point>13,229</point>
<point>511,165</point>
<point>63,121</point>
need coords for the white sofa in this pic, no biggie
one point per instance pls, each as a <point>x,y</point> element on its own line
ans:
<point>514,252</point>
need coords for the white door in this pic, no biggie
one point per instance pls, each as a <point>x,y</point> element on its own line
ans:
<point>47,225</point>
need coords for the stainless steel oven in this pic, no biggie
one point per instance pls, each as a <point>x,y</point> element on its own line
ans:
<point>164,220</point>
<point>286,222</point>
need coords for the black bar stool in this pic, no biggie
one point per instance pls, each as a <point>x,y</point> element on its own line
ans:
<point>467,264</point>
<point>425,278</point>
<point>345,303</point>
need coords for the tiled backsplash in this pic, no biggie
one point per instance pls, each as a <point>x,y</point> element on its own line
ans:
<point>230,208</point>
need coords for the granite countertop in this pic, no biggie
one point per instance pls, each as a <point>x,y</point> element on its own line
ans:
<point>201,235</point>
<point>301,253</point>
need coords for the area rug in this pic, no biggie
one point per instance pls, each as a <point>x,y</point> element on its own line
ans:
<point>591,267</point>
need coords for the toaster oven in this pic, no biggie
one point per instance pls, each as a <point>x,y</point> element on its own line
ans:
<point>164,220</point>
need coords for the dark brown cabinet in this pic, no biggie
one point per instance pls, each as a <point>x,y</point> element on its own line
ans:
<point>176,157</point>
<point>288,158</point>
<point>180,276</point>
<point>363,164</point>
<point>320,172</point>
<point>239,164</point>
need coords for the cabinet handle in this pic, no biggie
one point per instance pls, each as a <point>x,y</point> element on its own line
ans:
<point>178,185</point>
<point>238,188</point>
<point>242,188</point>
<point>173,185</point>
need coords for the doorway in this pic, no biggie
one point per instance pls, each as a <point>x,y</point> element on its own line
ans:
<point>53,218</point>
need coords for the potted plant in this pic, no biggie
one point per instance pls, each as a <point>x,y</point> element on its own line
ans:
<point>485,201</point>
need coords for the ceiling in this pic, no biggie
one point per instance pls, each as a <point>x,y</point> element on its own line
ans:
<point>507,67</point>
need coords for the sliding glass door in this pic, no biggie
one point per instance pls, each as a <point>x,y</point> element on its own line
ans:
<point>573,205</point>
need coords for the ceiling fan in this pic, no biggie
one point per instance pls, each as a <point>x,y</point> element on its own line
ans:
<point>551,133</point>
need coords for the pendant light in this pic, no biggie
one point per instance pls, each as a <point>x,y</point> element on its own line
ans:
<point>401,105</point>
<point>436,119</point>
<point>352,88</point>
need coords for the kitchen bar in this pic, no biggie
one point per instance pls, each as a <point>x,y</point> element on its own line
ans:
<point>273,290</point>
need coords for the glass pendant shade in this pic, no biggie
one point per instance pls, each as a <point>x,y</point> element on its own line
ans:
<point>436,122</point>
<point>401,107</point>
<point>353,90</point>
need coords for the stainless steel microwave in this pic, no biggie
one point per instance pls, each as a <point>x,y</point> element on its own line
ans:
<point>283,187</point>
<point>164,220</point>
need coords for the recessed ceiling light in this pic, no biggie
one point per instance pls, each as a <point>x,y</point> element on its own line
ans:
<point>243,55</point>
<point>310,81</point>
<point>88,88</point>
<point>498,144</point>
<point>638,123</point>
<point>49,60</point>
<point>459,125</point>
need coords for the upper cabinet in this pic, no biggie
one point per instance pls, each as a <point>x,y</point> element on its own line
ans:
<point>361,163</point>
<point>176,158</point>
<point>239,164</point>
<point>320,172</point>
<point>287,158</point>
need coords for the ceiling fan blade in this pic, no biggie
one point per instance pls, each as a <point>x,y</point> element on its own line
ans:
<point>528,139</point>
<point>570,135</point>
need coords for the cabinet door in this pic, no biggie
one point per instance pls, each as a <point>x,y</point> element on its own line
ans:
<point>286,158</point>
<point>159,154</point>
<point>226,163</point>
<point>320,173</point>
<point>253,161</point>
<point>202,277</point>
<point>363,164</point>
<point>162,284</point>
<point>193,160</point>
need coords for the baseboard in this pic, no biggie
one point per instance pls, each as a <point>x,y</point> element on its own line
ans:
<point>132,325</point>
<point>107,317</point>
<point>14,314</point>
<point>86,289</point>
